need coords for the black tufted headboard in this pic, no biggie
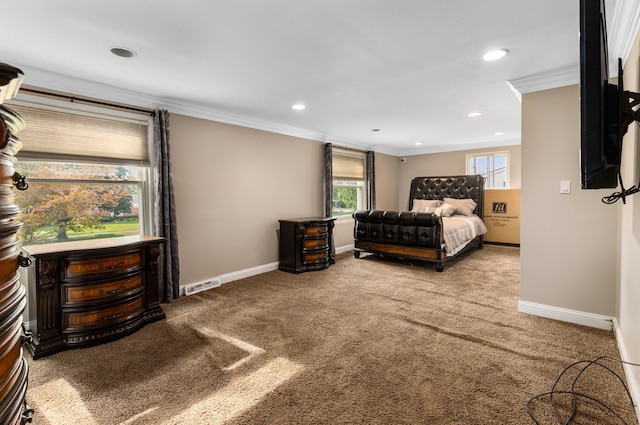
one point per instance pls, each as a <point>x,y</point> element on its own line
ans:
<point>460,187</point>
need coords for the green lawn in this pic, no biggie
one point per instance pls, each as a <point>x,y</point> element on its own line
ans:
<point>110,230</point>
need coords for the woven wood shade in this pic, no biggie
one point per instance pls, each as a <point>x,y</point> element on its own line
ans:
<point>68,135</point>
<point>348,165</point>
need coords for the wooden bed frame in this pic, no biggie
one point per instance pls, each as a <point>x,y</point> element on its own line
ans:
<point>460,187</point>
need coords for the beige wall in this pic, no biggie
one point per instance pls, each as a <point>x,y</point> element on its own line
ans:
<point>628,300</point>
<point>232,186</point>
<point>387,167</point>
<point>568,244</point>
<point>447,164</point>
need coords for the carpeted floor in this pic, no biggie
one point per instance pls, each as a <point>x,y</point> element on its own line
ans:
<point>367,341</point>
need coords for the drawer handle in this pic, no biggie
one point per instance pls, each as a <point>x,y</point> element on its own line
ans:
<point>27,336</point>
<point>102,267</point>
<point>23,260</point>
<point>27,414</point>
<point>113,291</point>
<point>20,181</point>
<point>111,317</point>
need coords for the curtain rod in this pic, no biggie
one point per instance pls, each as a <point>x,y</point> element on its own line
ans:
<point>73,99</point>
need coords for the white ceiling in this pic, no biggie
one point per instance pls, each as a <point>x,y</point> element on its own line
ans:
<point>411,68</point>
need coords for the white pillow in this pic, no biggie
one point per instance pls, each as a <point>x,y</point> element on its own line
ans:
<point>419,205</point>
<point>444,210</point>
<point>463,206</point>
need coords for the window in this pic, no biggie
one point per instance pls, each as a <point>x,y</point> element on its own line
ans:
<point>87,170</point>
<point>349,192</point>
<point>493,166</point>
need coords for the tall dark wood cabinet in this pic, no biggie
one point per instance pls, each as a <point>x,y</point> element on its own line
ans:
<point>13,366</point>
<point>306,244</point>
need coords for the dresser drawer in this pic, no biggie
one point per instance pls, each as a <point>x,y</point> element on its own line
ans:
<point>80,294</point>
<point>316,257</point>
<point>316,230</point>
<point>103,265</point>
<point>108,316</point>
<point>315,243</point>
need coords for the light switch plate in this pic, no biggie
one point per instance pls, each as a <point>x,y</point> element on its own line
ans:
<point>565,186</point>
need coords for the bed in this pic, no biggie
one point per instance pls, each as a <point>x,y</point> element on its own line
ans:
<point>444,220</point>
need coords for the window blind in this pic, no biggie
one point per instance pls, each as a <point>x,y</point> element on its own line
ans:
<point>348,165</point>
<point>69,135</point>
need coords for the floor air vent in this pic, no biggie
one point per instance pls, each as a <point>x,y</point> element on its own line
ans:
<point>194,288</point>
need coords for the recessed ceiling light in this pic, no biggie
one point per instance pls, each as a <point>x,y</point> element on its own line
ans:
<point>495,55</point>
<point>499,133</point>
<point>375,129</point>
<point>298,107</point>
<point>474,114</point>
<point>123,52</point>
<point>417,143</point>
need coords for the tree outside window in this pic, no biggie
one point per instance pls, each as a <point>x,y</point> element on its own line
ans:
<point>348,181</point>
<point>74,201</point>
<point>347,197</point>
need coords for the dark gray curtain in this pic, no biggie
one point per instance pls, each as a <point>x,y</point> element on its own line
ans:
<point>370,179</point>
<point>328,180</point>
<point>165,208</point>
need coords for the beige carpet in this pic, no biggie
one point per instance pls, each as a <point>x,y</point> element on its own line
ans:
<point>367,341</point>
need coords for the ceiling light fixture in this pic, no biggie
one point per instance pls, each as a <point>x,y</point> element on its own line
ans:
<point>123,52</point>
<point>375,129</point>
<point>417,143</point>
<point>499,133</point>
<point>298,107</point>
<point>495,55</point>
<point>474,114</point>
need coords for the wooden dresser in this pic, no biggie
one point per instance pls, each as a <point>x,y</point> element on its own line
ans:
<point>90,292</point>
<point>306,244</point>
<point>13,365</point>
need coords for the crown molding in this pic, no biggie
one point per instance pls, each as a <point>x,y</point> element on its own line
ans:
<point>547,80</point>
<point>75,86</point>
<point>625,22</point>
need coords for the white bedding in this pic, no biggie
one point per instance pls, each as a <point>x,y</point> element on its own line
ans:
<point>459,230</point>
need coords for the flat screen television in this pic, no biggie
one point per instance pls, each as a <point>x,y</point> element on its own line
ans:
<point>600,139</point>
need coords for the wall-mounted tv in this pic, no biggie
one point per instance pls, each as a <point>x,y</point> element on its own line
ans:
<point>599,133</point>
<point>606,110</point>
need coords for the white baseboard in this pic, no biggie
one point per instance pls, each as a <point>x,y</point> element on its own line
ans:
<point>252,271</point>
<point>344,248</point>
<point>632,382</point>
<point>566,315</point>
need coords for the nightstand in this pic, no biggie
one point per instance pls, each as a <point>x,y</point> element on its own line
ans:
<point>306,244</point>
